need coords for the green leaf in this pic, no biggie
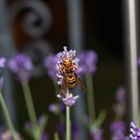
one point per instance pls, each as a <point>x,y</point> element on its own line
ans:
<point>99,121</point>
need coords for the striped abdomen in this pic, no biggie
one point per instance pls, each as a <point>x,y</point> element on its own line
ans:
<point>71,80</point>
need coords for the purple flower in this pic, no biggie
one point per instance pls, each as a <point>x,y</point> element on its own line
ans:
<point>119,136</point>
<point>7,135</point>
<point>121,94</point>
<point>134,132</point>
<point>120,106</point>
<point>65,58</point>
<point>87,62</point>
<point>138,61</point>
<point>44,136</point>
<point>117,127</point>
<point>50,63</point>
<point>21,65</point>
<point>69,99</point>
<point>74,131</point>
<point>2,62</point>
<point>56,108</point>
<point>97,134</point>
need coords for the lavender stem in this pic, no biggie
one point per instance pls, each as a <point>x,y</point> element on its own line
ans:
<point>56,136</point>
<point>7,116</point>
<point>29,103</point>
<point>68,122</point>
<point>90,97</point>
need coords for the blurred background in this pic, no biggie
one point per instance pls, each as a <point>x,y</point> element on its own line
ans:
<point>43,27</point>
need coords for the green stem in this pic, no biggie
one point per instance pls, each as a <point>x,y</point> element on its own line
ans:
<point>90,97</point>
<point>7,116</point>
<point>56,136</point>
<point>29,103</point>
<point>68,131</point>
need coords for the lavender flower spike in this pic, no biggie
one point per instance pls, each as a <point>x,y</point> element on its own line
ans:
<point>69,99</point>
<point>97,134</point>
<point>118,129</point>
<point>65,56</point>
<point>21,65</point>
<point>6,135</point>
<point>66,65</point>
<point>44,136</point>
<point>121,95</point>
<point>88,62</point>
<point>135,132</point>
<point>56,108</point>
<point>2,62</point>
<point>49,64</point>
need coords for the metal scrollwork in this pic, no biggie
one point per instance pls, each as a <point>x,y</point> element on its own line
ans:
<point>37,17</point>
